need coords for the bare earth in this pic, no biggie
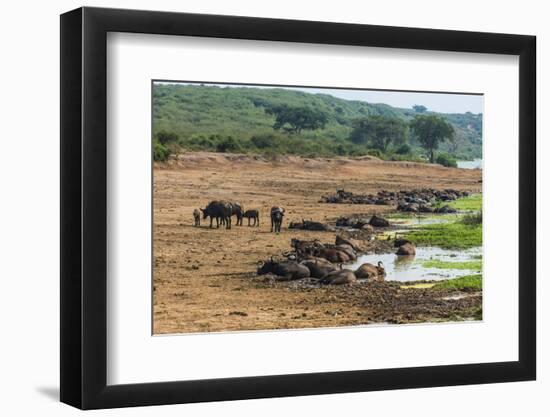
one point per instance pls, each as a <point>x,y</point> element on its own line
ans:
<point>205,280</point>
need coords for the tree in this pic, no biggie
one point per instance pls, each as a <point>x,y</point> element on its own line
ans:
<point>431,130</point>
<point>420,108</point>
<point>295,119</point>
<point>379,131</point>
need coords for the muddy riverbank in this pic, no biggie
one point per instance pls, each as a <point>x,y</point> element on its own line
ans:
<point>204,279</point>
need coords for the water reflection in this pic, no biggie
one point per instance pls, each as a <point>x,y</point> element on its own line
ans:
<point>404,261</point>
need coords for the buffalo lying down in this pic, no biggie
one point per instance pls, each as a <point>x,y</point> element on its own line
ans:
<point>339,277</point>
<point>334,253</point>
<point>318,267</point>
<point>305,248</point>
<point>286,270</point>
<point>371,272</point>
<point>311,225</point>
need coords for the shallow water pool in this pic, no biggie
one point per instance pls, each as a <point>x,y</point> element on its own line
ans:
<point>410,268</point>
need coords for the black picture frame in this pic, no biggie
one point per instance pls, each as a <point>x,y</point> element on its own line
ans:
<point>84,207</point>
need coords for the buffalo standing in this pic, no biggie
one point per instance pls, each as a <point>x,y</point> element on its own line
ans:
<point>277,214</point>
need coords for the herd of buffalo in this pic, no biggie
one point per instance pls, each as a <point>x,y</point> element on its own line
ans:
<point>307,259</point>
<point>425,200</point>
<point>324,263</point>
<point>222,211</point>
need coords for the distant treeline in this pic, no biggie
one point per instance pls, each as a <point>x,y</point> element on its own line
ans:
<point>279,121</point>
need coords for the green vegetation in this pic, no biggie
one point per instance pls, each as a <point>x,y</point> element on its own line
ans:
<point>379,132</point>
<point>474,218</point>
<point>446,160</point>
<point>228,144</point>
<point>404,149</point>
<point>275,121</point>
<point>471,265</point>
<point>468,282</point>
<point>471,203</point>
<point>165,138</point>
<point>160,152</point>
<point>295,119</point>
<point>456,235</point>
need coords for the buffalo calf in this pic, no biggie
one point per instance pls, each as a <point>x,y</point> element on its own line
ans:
<point>252,215</point>
<point>197,217</point>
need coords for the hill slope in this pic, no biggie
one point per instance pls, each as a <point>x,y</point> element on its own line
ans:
<point>201,115</point>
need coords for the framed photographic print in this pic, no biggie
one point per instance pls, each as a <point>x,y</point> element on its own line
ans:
<point>257,208</point>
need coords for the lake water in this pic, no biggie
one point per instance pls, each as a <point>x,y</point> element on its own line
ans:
<point>409,268</point>
<point>475,164</point>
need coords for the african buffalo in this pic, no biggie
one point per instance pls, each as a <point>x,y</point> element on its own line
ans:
<point>311,225</point>
<point>286,270</point>
<point>371,272</point>
<point>406,249</point>
<point>376,221</point>
<point>400,242</point>
<point>197,217</point>
<point>348,250</point>
<point>340,240</point>
<point>254,215</point>
<point>305,248</point>
<point>333,255</point>
<point>221,211</point>
<point>318,267</point>
<point>237,210</point>
<point>339,277</point>
<point>277,214</point>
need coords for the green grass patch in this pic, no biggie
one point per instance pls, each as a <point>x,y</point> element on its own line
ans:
<point>434,263</point>
<point>468,282</point>
<point>470,203</point>
<point>447,235</point>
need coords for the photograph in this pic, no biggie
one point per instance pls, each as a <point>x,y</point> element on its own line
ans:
<point>301,207</point>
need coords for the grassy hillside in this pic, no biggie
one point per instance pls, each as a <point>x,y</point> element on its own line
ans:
<point>229,119</point>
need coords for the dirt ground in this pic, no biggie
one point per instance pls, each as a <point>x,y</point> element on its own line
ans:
<point>204,279</point>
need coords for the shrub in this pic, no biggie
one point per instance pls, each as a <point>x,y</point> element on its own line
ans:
<point>167,137</point>
<point>263,141</point>
<point>375,152</point>
<point>228,144</point>
<point>200,142</point>
<point>446,160</point>
<point>403,149</point>
<point>160,152</point>
<point>341,150</point>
